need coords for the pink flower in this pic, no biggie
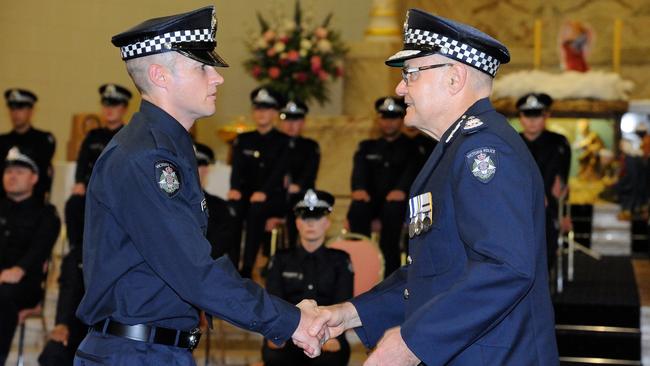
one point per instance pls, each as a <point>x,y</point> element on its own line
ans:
<point>293,56</point>
<point>256,71</point>
<point>269,35</point>
<point>300,77</point>
<point>323,75</point>
<point>271,52</point>
<point>316,64</point>
<point>274,72</point>
<point>320,32</point>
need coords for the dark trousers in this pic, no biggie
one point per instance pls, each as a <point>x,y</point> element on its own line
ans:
<point>13,298</point>
<point>552,234</point>
<point>255,216</point>
<point>103,349</point>
<point>291,355</point>
<point>392,216</point>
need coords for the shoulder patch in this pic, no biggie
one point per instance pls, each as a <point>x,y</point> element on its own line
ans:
<point>471,125</point>
<point>482,163</point>
<point>168,177</point>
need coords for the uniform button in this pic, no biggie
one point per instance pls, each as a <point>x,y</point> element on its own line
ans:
<point>310,287</point>
<point>406,294</point>
<point>409,260</point>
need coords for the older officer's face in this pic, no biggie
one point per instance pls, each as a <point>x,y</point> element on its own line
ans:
<point>194,87</point>
<point>424,96</point>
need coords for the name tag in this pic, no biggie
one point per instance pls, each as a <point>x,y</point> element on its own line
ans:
<point>292,275</point>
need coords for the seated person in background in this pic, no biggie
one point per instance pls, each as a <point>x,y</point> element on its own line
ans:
<point>29,230</point>
<point>424,145</point>
<point>115,103</point>
<point>304,158</point>
<point>42,144</point>
<point>259,165</point>
<point>221,217</point>
<point>383,171</point>
<point>310,271</point>
<point>68,331</point>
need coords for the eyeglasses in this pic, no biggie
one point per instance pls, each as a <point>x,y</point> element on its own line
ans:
<point>411,74</point>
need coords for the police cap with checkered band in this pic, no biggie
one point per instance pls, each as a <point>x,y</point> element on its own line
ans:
<point>426,34</point>
<point>192,34</point>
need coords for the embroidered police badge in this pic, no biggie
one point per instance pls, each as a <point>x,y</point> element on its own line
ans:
<point>482,163</point>
<point>168,177</point>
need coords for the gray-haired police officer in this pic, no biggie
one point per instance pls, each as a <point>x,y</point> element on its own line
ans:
<point>383,171</point>
<point>475,291</point>
<point>23,135</point>
<point>147,264</point>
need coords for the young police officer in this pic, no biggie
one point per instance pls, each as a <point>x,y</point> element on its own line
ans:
<point>147,264</point>
<point>310,271</point>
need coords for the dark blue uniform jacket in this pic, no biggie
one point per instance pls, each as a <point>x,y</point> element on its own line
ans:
<point>476,289</point>
<point>146,259</point>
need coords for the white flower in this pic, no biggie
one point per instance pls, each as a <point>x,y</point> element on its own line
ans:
<point>303,52</point>
<point>324,46</point>
<point>279,46</point>
<point>305,44</point>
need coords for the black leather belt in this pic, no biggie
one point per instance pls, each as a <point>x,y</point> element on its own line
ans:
<point>150,333</point>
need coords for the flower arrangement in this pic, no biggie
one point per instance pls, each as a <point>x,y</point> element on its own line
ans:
<point>295,58</point>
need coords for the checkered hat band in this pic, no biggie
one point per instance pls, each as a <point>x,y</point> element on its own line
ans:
<point>165,41</point>
<point>454,49</point>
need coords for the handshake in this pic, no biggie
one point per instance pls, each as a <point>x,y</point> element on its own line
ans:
<point>320,323</point>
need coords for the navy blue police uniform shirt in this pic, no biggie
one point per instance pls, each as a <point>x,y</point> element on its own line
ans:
<point>475,290</point>
<point>91,147</point>
<point>381,166</point>
<point>146,259</point>
<point>259,162</point>
<point>304,159</point>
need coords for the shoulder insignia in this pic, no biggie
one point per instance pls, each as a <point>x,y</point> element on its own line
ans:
<point>471,125</point>
<point>167,177</point>
<point>482,163</point>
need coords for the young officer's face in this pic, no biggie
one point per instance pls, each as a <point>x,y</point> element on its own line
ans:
<point>18,180</point>
<point>533,124</point>
<point>194,87</point>
<point>20,116</point>
<point>312,229</point>
<point>113,113</point>
<point>264,116</point>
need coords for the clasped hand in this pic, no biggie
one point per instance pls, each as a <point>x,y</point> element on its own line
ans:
<point>325,322</point>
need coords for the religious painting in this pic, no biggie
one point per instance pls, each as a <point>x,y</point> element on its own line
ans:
<point>576,40</point>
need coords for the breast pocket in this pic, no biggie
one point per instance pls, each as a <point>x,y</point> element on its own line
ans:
<point>431,257</point>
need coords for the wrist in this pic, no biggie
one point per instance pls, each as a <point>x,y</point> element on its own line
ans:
<point>351,317</point>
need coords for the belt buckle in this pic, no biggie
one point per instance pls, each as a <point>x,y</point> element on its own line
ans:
<point>193,338</point>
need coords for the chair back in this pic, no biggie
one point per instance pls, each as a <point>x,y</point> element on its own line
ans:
<point>366,257</point>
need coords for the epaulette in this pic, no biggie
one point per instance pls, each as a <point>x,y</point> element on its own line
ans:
<point>471,125</point>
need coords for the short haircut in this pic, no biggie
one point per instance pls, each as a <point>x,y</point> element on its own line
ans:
<point>138,68</point>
